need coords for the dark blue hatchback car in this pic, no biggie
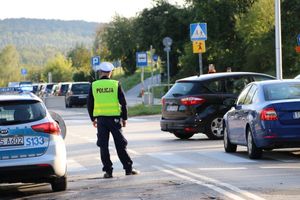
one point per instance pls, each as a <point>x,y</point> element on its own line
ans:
<point>266,115</point>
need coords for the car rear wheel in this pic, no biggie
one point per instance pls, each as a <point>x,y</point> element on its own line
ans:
<point>182,135</point>
<point>253,151</point>
<point>228,146</point>
<point>214,129</point>
<point>59,184</point>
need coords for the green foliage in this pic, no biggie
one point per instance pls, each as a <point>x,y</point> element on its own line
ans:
<point>60,69</point>
<point>9,65</point>
<point>37,40</point>
<point>80,57</point>
<point>144,110</point>
<point>119,38</point>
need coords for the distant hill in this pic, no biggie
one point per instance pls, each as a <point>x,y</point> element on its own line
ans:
<point>39,39</point>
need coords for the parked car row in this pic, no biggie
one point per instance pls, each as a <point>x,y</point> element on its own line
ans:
<point>75,92</point>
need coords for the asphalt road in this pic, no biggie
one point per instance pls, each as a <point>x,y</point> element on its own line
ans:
<point>173,169</point>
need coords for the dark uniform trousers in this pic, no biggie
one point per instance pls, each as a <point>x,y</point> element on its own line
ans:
<point>105,126</point>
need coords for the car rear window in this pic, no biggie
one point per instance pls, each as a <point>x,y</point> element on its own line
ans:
<point>81,88</point>
<point>282,91</point>
<point>186,88</point>
<point>17,112</point>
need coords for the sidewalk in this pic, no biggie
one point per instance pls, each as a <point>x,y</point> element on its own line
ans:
<point>132,95</point>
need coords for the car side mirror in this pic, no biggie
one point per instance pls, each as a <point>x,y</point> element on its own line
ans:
<point>238,107</point>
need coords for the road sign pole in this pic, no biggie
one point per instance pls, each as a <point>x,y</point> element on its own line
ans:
<point>200,64</point>
<point>168,65</point>
<point>278,40</point>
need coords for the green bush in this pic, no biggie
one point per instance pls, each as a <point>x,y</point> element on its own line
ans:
<point>144,110</point>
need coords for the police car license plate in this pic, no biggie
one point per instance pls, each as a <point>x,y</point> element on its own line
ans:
<point>11,141</point>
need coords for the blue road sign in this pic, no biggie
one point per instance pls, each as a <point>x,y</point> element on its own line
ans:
<point>298,40</point>
<point>198,31</point>
<point>155,57</point>
<point>141,59</point>
<point>23,71</point>
<point>95,61</point>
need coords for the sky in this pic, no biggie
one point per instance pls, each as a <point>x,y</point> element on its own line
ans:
<point>87,10</point>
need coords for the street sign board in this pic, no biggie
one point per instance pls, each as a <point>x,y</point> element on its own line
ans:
<point>298,40</point>
<point>141,59</point>
<point>23,71</point>
<point>199,46</point>
<point>155,57</point>
<point>95,61</point>
<point>198,31</point>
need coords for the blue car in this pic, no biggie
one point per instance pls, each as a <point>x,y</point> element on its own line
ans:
<point>265,116</point>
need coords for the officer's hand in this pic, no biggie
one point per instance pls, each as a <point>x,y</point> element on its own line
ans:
<point>123,123</point>
<point>95,123</point>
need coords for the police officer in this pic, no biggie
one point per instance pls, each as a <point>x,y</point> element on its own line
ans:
<point>107,109</point>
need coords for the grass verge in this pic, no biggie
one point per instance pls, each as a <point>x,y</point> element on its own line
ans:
<point>144,110</point>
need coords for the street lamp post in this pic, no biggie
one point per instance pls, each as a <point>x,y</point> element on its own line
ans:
<point>278,48</point>
<point>167,42</point>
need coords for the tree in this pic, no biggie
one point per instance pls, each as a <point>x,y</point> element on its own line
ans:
<point>9,65</point>
<point>120,41</point>
<point>60,69</point>
<point>80,57</point>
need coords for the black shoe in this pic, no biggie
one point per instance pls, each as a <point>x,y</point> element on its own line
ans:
<point>107,175</point>
<point>132,172</point>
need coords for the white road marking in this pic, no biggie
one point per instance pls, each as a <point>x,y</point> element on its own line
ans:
<point>133,152</point>
<point>171,158</point>
<point>279,167</point>
<point>216,182</point>
<point>222,168</point>
<point>74,166</point>
<point>226,157</point>
<point>213,187</point>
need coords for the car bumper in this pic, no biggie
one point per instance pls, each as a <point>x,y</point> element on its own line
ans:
<point>191,124</point>
<point>279,138</point>
<point>36,169</point>
<point>77,100</point>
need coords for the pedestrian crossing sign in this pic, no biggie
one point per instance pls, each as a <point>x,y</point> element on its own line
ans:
<point>199,46</point>
<point>198,31</point>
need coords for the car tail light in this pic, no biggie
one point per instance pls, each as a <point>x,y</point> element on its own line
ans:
<point>163,101</point>
<point>49,127</point>
<point>268,114</point>
<point>189,129</point>
<point>189,101</point>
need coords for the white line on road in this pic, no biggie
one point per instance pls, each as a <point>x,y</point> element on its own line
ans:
<point>280,167</point>
<point>74,166</point>
<point>213,187</point>
<point>222,169</point>
<point>214,181</point>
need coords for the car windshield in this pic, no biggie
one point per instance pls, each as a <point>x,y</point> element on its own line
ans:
<point>17,112</point>
<point>282,91</point>
<point>81,88</point>
<point>186,88</point>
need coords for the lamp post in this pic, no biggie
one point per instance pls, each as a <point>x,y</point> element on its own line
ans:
<point>278,48</point>
<point>167,42</point>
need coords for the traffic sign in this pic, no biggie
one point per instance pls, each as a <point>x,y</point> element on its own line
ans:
<point>155,57</point>
<point>23,71</point>
<point>95,61</point>
<point>198,31</point>
<point>141,59</point>
<point>199,46</point>
<point>298,40</point>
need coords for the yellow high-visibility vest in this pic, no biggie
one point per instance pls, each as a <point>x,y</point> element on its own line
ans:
<point>106,102</point>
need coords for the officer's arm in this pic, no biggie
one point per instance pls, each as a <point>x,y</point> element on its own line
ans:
<point>122,102</point>
<point>90,104</point>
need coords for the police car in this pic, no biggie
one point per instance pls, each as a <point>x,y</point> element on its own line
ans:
<point>32,149</point>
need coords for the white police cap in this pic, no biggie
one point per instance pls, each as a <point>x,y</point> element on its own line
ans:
<point>106,67</point>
